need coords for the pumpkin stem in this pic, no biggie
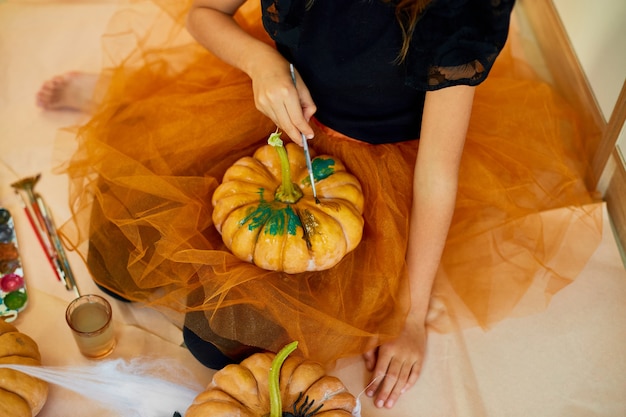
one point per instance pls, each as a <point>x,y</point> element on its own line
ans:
<point>276,404</point>
<point>287,192</point>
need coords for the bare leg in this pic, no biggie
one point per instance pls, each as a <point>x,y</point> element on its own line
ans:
<point>70,91</point>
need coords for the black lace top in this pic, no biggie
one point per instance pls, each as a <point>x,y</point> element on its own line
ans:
<point>345,51</point>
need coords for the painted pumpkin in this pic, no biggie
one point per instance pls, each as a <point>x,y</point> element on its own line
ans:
<point>266,219</point>
<point>271,385</point>
<point>21,395</point>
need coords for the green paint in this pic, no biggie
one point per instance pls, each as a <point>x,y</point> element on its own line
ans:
<point>257,216</point>
<point>322,168</point>
<point>293,221</point>
<point>277,217</point>
<point>275,224</point>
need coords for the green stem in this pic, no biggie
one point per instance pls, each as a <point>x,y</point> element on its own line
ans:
<point>276,404</point>
<point>288,192</point>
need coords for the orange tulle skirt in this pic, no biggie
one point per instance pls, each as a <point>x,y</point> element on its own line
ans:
<point>173,118</point>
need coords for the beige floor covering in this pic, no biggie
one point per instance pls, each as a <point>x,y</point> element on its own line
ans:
<point>568,361</point>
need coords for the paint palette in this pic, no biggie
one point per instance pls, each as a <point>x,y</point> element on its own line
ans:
<point>13,298</point>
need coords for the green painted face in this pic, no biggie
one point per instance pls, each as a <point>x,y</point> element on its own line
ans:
<point>277,217</point>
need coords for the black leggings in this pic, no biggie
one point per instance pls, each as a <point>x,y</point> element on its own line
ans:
<point>205,352</point>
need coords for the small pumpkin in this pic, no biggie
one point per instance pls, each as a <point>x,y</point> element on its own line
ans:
<point>266,219</point>
<point>271,385</point>
<point>21,395</point>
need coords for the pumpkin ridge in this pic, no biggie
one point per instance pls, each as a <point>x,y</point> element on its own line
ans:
<point>331,387</point>
<point>283,244</point>
<point>235,236</point>
<point>346,191</point>
<point>312,405</point>
<point>231,400</point>
<point>19,360</point>
<point>240,397</point>
<point>258,365</point>
<point>304,374</point>
<point>253,189</point>
<point>306,228</point>
<point>19,396</point>
<point>344,218</point>
<point>326,221</point>
<point>14,401</point>
<point>248,165</point>
<point>27,346</point>
<point>28,388</point>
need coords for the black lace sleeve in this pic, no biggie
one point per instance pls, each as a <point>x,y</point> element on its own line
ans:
<point>282,20</point>
<point>457,42</point>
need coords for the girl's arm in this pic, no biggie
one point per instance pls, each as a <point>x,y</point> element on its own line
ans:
<point>396,365</point>
<point>212,24</point>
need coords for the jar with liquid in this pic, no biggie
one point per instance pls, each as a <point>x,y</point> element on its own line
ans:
<point>90,318</point>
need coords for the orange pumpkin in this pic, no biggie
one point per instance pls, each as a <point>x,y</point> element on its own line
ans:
<point>21,395</point>
<point>266,219</point>
<point>265,384</point>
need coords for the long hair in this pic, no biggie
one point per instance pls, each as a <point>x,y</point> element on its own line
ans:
<point>408,12</point>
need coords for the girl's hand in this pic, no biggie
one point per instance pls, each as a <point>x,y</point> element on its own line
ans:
<point>289,106</point>
<point>396,365</point>
<point>212,24</point>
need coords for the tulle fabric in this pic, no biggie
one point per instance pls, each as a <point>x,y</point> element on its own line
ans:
<point>173,119</point>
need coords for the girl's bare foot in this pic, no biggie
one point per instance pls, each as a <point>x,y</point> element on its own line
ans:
<point>70,91</point>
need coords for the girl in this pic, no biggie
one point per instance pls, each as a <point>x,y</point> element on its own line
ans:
<point>374,81</point>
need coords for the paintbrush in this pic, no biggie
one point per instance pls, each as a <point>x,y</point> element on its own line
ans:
<point>305,145</point>
<point>40,219</point>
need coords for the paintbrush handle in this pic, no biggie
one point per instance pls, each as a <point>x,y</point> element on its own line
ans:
<point>309,165</point>
<point>305,143</point>
<point>70,281</point>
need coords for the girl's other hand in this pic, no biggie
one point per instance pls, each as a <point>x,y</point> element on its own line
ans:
<point>396,365</point>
